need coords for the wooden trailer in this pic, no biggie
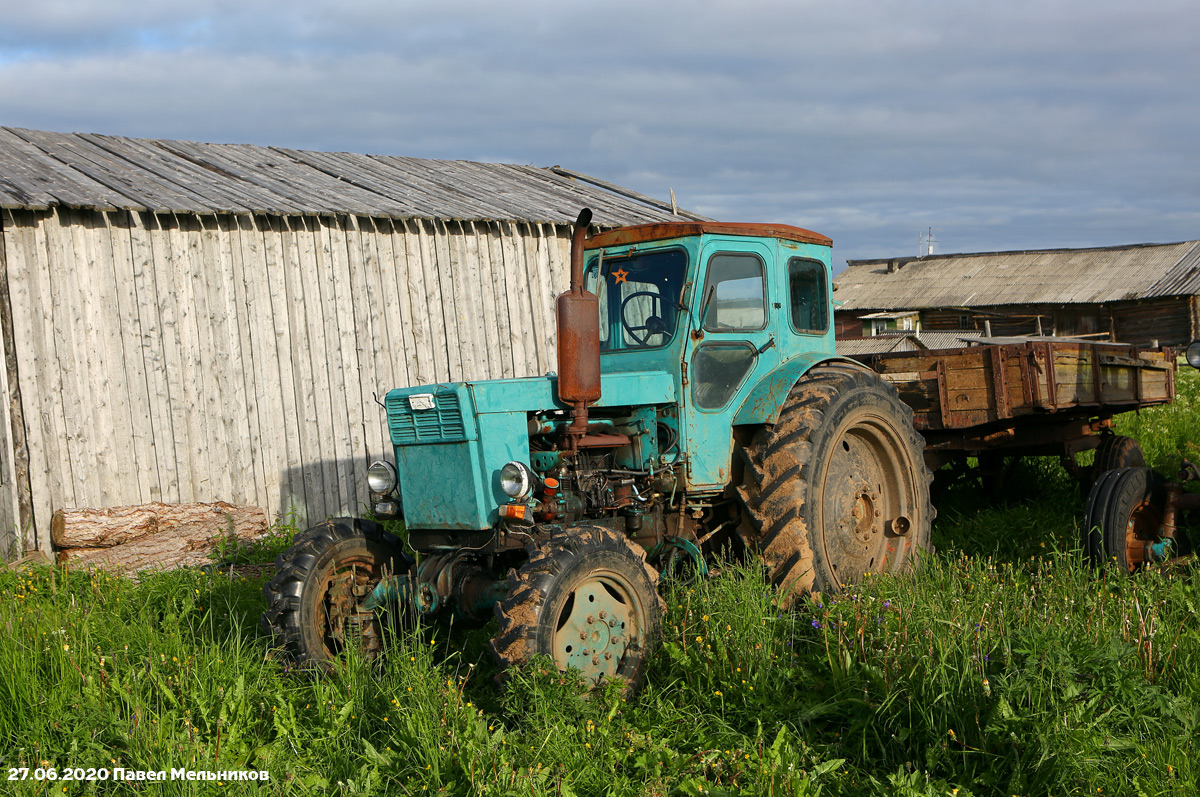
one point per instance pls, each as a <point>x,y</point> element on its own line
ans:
<point>1016,397</point>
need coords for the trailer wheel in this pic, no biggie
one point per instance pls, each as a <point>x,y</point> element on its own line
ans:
<point>312,602</point>
<point>585,599</point>
<point>837,487</point>
<point>1116,451</point>
<point>1124,517</point>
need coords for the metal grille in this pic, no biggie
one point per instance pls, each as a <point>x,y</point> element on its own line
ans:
<point>443,423</point>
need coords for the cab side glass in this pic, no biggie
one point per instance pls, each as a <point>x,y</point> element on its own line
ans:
<point>809,297</point>
<point>738,300</point>
<point>718,370</point>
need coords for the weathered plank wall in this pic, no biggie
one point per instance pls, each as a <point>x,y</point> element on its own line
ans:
<point>11,540</point>
<point>1169,320</point>
<point>182,358</point>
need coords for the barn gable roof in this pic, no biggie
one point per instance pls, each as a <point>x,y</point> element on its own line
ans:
<point>41,170</point>
<point>1048,276</point>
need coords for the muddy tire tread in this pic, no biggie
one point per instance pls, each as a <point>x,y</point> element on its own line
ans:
<point>529,586</point>
<point>281,621</point>
<point>779,460</point>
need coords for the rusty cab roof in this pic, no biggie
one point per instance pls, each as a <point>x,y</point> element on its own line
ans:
<point>642,233</point>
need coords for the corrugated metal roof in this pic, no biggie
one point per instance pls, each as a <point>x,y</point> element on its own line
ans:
<point>909,341</point>
<point>1056,276</point>
<point>1183,278</point>
<point>40,170</point>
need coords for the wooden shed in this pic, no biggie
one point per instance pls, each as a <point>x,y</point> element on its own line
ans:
<point>199,322</point>
<point>1138,293</point>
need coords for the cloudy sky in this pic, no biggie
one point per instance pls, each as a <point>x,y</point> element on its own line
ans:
<point>1000,125</point>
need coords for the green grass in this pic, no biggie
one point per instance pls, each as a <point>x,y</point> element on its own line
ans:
<point>1001,667</point>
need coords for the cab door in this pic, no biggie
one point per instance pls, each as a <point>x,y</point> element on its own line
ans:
<point>735,312</point>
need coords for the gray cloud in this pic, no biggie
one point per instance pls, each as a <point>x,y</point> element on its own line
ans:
<point>1002,126</point>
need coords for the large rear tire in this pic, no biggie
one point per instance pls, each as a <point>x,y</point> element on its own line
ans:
<point>313,600</point>
<point>837,487</point>
<point>586,599</point>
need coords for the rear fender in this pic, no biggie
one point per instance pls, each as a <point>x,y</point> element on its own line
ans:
<point>765,399</point>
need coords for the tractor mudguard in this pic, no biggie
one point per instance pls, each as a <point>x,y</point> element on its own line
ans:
<point>765,399</point>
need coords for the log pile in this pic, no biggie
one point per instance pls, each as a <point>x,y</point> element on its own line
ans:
<point>161,536</point>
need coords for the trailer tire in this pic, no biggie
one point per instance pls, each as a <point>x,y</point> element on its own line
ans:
<point>1116,451</point>
<point>310,600</point>
<point>838,486</point>
<point>589,581</point>
<point>1124,515</point>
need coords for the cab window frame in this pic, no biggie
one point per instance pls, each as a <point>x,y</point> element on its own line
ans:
<point>710,310</point>
<point>592,272</point>
<point>821,294</point>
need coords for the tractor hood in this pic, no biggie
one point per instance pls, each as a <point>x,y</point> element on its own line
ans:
<point>451,439</point>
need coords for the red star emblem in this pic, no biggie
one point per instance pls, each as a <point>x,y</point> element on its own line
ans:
<point>619,276</point>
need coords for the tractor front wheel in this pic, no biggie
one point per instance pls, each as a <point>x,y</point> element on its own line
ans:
<point>585,599</point>
<point>313,602</point>
<point>837,487</point>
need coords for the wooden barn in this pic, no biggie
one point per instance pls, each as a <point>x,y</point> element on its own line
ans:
<point>1133,294</point>
<point>186,322</point>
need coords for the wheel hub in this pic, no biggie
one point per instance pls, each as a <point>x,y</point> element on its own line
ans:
<point>864,489</point>
<point>597,627</point>
<point>1141,532</point>
<point>344,624</point>
<point>861,523</point>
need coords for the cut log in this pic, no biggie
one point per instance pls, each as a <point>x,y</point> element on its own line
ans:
<point>158,536</point>
<point>104,528</point>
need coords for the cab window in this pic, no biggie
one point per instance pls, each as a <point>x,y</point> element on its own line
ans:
<point>809,296</point>
<point>718,370</point>
<point>734,293</point>
<point>638,298</point>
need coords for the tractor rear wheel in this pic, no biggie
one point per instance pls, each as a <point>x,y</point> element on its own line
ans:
<point>313,601</point>
<point>1124,517</point>
<point>837,487</point>
<point>585,599</point>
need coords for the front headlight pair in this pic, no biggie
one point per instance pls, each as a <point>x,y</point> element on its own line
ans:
<point>516,479</point>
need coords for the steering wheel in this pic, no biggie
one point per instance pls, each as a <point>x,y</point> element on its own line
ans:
<point>653,325</point>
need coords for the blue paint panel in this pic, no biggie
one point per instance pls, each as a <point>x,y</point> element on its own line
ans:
<point>440,486</point>
<point>765,399</point>
<point>541,393</point>
<point>503,437</point>
<point>457,485</point>
<point>784,356</point>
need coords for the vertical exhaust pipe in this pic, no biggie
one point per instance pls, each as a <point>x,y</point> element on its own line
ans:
<point>578,313</point>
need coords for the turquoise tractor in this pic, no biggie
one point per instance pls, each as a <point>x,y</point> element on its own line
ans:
<point>698,407</point>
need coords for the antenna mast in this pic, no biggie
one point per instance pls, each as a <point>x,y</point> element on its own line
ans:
<point>925,242</point>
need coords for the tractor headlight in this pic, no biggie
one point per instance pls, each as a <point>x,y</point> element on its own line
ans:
<point>381,477</point>
<point>1192,353</point>
<point>516,480</point>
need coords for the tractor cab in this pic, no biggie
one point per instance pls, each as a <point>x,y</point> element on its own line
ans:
<point>735,313</point>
